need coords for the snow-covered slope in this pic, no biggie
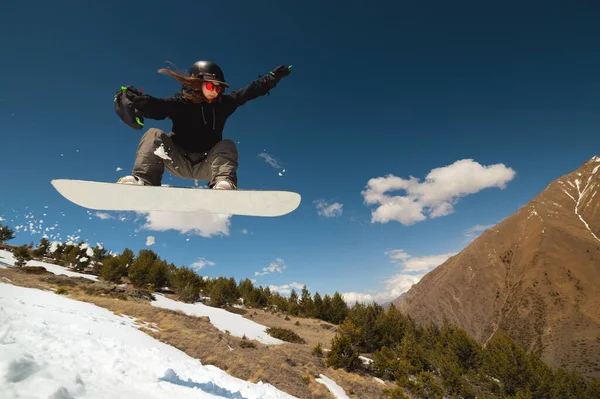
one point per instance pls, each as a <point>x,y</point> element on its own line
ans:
<point>56,347</point>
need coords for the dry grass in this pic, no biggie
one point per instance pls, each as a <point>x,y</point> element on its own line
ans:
<point>291,368</point>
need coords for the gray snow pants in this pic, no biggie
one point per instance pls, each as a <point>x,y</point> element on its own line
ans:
<point>219,163</point>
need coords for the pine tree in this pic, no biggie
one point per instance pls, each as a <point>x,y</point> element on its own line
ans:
<point>112,270</point>
<point>22,255</point>
<point>99,253</point>
<point>306,303</point>
<point>185,283</point>
<point>387,364</point>
<point>318,306</point>
<point>342,354</point>
<point>327,309</point>
<point>339,308</point>
<point>6,233</point>
<point>157,274</point>
<point>245,288</point>
<point>138,272</point>
<point>506,361</point>
<point>42,247</point>
<point>126,258</point>
<point>393,326</point>
<point>293,307</point>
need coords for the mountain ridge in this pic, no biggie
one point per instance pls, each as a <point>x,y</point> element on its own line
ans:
<point>533,275</point>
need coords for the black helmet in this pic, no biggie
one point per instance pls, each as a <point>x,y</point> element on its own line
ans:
<point>208,71</point>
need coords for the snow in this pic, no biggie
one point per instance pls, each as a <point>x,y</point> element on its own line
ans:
<point>7,259</point>
<point>334,388</point>
<point>160,151</point>
<point>53,346</point>
<point>581,194</point>
<point>237,325</point>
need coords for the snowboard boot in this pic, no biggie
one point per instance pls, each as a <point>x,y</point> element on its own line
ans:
<point>224,185</point>
<point>131,180</point>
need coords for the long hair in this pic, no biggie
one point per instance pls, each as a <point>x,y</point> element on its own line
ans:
<point>192,89</point>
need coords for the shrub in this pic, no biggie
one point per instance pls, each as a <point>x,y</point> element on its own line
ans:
<point>318,350</point>
<point>285,335</point>
<point>244,343</point>
<point>61,291</point>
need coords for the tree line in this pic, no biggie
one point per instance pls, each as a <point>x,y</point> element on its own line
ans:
<point>147,270</point>
<point>429,361</point>
<point>443,361</point>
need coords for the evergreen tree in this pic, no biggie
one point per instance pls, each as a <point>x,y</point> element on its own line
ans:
<point>506,361</point>
<point>293,307</point>
<point>245,288</point>
<point>158,274</point>
<point>6,233</point>
<point>126,258</point>
<point>306,303</point>
<point>318,306</point>
<point>339,308</point>
<point>22,255</point>
<point>42,247</point>
<point>99,253</point>
<point>71,255</point>
<point>327,309</point>
<point>392,327</point>
<point>387,364</point>
<point>138,272</point>
<point>569,384</point>
<point>223,291</point>
<point>112,270</point>
<point>411,350</point>
<point>278,302</point>
<point>460,345</point>
<point>342,354</point>
<point>185,283</point>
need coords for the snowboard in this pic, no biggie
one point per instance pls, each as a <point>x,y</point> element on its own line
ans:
<point>127,197</point>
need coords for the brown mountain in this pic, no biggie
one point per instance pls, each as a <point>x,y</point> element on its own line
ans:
<point>535,275</point>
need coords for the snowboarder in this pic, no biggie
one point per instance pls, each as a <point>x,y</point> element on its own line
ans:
<point>195,148</point>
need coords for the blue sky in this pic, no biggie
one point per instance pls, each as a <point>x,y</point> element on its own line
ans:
<point>494,101</point>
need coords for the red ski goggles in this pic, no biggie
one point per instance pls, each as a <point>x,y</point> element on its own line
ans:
<point>211,86</point>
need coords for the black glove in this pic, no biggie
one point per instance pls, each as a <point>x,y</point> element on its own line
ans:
<point>281,71</point>
<point>127,103</point>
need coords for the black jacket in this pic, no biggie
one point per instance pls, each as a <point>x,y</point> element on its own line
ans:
<point>197,127</point>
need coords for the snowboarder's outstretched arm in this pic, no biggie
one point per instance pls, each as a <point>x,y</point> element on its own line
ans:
<point>156,108</point>
<point>257,88</point>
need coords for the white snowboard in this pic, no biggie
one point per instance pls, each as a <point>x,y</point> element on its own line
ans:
<point>126,197</point>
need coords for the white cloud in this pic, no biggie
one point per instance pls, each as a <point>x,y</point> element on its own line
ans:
<point>277,266</point>
<point>150,240</point>
<point>205,225</point>
<point>201,262</point>
<point>270,160</point>
<point>395,286</point>
<point>435,196</point>
<point>413,269</point>
<point>328,210</point>
<point>286,289</point>
<point>103,215</point>
<point>412,264</point>
<point>474,231</point>
<point>1,218</point>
